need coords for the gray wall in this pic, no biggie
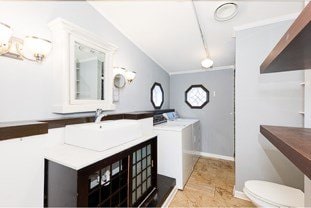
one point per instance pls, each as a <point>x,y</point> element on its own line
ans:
<point>269,99</point>
<point>26,87</point>
<point>217,116</point>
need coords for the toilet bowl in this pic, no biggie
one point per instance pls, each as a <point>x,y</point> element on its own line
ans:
<point>267,194</point>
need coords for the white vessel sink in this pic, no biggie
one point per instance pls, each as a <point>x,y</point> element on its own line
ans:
<point>104,135</point>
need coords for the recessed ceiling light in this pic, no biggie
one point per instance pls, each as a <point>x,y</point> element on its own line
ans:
<point>226,11</point>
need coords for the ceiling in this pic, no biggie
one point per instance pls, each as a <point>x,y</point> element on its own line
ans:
<point>168,33</point>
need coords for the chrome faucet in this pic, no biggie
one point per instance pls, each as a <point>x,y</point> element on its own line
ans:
<point>99,114</point>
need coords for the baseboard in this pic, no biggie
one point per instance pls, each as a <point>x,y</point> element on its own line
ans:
<point>240,195</point>
<point>205,154</point>
<point>169,198</point>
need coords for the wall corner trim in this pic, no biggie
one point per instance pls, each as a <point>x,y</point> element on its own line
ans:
<point>232,67</point>
<point>265,22</point>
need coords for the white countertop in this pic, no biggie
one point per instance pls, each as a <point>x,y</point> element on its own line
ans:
<point>77,158</point>
<point>176,125</point>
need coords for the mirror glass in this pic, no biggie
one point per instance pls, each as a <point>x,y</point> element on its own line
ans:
<point>119,81</point>
<point>90,68</point>
<point>157,95</point>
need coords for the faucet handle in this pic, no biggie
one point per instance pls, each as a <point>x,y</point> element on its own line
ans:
<point>98,112</point>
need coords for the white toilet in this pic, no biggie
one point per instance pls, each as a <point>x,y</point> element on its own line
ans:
<point>267,194</point>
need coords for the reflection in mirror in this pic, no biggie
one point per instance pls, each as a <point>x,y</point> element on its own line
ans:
<point>90,68</point>
<point>119,81</point>
<point>157,96</point>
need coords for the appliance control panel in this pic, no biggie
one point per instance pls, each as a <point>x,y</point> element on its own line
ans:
<point>158,119</point>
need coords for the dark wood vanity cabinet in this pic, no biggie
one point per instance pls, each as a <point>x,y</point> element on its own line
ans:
<point>125,179</point>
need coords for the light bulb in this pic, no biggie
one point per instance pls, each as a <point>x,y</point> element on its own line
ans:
<point>207,63</point>
<point>130,75</point>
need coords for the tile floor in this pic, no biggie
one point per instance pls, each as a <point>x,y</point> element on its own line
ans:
<point>210,185</point>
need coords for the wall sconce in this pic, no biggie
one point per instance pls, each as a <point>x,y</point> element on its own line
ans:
<point>31,48</point>
<point>5,37</point>
<point>34,48</point>
<point>129,75</point>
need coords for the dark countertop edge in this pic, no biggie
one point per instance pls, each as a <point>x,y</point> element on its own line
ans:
<point>293,143</point>
<point>160,111</point>
<point>13,130</point>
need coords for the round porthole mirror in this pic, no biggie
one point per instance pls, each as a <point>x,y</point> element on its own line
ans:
<point>119,81</point>
<point>157,95</point>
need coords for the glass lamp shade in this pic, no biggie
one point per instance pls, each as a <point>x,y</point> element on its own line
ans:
<point>5,37</point>
<point>35,49</point>
<point>130,75</point>
<point>207,63</point>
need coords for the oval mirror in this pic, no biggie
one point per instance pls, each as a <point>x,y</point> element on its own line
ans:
<point>119,81</point>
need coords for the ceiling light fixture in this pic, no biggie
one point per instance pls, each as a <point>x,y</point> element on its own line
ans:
<point>226,11</point>
<point>207,62</point>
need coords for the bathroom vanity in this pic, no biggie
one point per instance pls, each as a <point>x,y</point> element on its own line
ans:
<point>123,179</point>
<point>69,162</point>
<point>107,164</point>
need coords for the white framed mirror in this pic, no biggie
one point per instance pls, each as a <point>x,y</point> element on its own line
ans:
<point>84,61</point>
<point>88,72</point>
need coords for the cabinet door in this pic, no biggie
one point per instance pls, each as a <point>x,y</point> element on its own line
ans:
<point>104,184</point>
<point>143,174</point>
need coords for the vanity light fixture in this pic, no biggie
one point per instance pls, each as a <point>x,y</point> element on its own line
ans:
<point>31,48</point>
<point>5,38</point>
<point>34,48</point>
<point>128,74</point>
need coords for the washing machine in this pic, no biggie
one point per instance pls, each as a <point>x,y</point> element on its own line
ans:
<point>179,142</point>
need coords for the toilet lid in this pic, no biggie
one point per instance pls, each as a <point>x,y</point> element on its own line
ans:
<point>276,194</point>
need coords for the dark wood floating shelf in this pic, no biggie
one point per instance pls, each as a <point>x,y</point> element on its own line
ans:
<point>294,143</point>
<point>11,130</point>
<point>293,51</point>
